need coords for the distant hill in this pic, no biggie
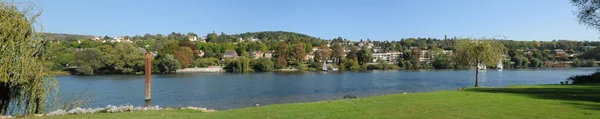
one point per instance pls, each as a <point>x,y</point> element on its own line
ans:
<point>63,36</point>
<point>274,35</point>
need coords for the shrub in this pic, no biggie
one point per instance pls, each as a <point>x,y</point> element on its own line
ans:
<point>582,79</point>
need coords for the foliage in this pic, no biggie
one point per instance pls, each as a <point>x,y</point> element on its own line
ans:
<point>165,64</point>
<point>205,62</point>
<point>350,64</point>
<point>337,51</point>
<point>282,55</point>
<point>88,61</point>
<point>184,56</point>
<point>475,52</point>
<point>588,12</point>
<point>520,61</point>
<point>25,84</point>
<point>591,54</point>
<point>364,56</point>
<point>299,52</point>
<point>584,63</point>
<point>583,79</point>
<point>241,65</point>
<point>535,62</point>
<point>263,64</point>
<point>125,58</point>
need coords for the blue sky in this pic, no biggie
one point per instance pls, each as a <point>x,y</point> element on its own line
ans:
<point>351,19</point>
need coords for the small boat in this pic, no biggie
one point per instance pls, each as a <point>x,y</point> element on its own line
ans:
<point>500,67</point>
<point>481,67</point>
<point>334,69</point>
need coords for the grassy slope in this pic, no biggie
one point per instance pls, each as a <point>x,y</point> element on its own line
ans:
<point>541,101</point>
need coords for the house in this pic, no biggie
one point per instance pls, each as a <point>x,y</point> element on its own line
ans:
<point>199,53</point>
<point>424,57</point>
<point>388,56</point>
<point>559,53</point>
<point>268,54</point>
<point>309,57</point>
<point>314,49</point>
<point>193,38</point>
<point>252,39</point>
<point>257,54</point>
<point>202,39</point>
<point>230,54</point>
<point>95,38</point>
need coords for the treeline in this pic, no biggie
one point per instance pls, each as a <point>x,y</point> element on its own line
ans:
<point>292,51</point>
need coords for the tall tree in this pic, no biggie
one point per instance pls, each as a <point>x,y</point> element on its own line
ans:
<point>324,52</point>
<point>588,12</point>
<point>24,82</point>
<point>282,55</point>
<point>338,50</point>
<point>184,56</point>
<point>352,53</point>
<point>212,37</point>
<point>299,51</point>
<point>364,55</point>
<point>88,61</point>
<point>474,52</point>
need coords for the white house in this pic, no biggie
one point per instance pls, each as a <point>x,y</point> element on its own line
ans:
<point>388,56</point>
<point>193,38</point>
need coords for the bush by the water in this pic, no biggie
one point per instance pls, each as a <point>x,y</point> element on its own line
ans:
<point>590,78</point>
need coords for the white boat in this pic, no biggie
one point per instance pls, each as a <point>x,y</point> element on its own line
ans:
<point>500,66</point>
<point>324,65</point>
<point>334,69</point>
<point>481,67</point>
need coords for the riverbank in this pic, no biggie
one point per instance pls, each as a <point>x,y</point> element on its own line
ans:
<point>538,101</point>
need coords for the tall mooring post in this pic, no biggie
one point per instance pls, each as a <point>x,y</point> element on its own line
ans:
<point>147,82</point>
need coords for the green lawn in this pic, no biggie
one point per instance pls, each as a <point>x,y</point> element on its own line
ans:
<point>540,101</point>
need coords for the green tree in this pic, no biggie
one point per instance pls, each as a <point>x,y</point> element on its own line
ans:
<point>364,56</point>
<point>126,58</point>
<point>205,62</point>
<point>353,52</point>
<point>88,61</point>
<point>24,82</point>
<point>165,63</point>
<point>338,51</point>
<point>241,65</point>
<point>263,64</point>
<point>473,52</point>
<point>212,37</point>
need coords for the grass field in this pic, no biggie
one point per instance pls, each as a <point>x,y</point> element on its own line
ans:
<point>539,101</point>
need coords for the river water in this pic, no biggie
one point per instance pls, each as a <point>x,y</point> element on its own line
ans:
<point>230,90</point>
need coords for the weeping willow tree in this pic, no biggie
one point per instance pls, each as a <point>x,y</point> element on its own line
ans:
<point>25,84</point>
<point>482,51</point>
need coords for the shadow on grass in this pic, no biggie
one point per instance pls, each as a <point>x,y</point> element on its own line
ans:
<point>555,92</point>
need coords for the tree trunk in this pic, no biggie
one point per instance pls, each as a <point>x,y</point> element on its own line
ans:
<point>477,73</point>
<point>477,77</point>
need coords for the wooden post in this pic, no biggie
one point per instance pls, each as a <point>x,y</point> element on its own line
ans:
<point>147,82</point>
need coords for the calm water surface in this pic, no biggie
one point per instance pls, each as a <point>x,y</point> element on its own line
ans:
<point>230,90</point>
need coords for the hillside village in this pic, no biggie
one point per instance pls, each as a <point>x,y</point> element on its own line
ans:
<point>304,52</point>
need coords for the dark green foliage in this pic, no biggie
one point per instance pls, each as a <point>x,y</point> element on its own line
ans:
<point>535,62</point>
<point>584,63</point>
<point>582,79</point>
<point>88,61</point>
<point>263,64</point>
<point>240,65</point>
<point>165,64</point>
<point>591,54</point>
